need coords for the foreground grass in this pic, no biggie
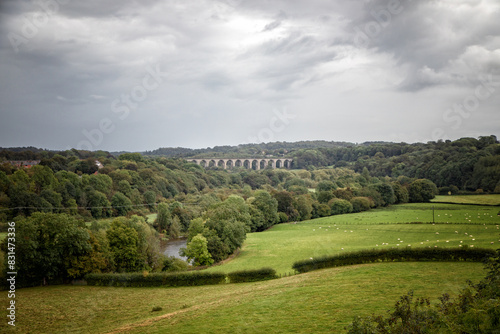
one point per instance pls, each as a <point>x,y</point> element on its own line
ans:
<point>324,301</point>
<point>493,199</point>
<point>284,244</point>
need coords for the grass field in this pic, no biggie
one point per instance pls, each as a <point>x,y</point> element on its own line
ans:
<point>284,244</point>
<point>322,301</point>
<point>151,217</point>
<point>469,199</point>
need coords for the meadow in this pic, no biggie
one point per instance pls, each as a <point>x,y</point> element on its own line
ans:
<point>406,225</point>
<point>322,301</point>
<point>489,199</point>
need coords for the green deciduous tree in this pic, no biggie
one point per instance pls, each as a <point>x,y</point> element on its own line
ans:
<point>137,157</point>
<point>303,205</point>
<point>197,251</point>
<point>326,186</point>
<point>386,192</point>
<point>101,182</point>
<point>47,246</point>
<point>98,260</point>
<point>150,198</point>
<point>400,192</point>
<point>121,204</point>
<point>123,242</point>
<point>99,205</point>
<point>265,209</point>
<point>340,206</point>
<point>163,218</point>
<point>174,230</point>
<point>422,190</point>
<point>324,196</point>
<point>196,227</point>
<point>42,177</point>
<point>229,221</point>
<point>361,204</point>
<point>285,204</point>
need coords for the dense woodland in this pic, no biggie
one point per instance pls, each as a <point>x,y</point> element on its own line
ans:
<point>83,218</point>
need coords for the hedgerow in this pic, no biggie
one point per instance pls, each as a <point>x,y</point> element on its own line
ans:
<point>156,279</point>
<point>191,278</point>
<point>394,255</point>
<point>252,275</point>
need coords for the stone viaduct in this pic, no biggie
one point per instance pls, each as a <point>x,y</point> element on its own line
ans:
<point>248,163</point>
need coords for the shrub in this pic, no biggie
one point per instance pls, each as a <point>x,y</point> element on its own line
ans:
<point>156,279</point>
<point>252,275</point>
<point>422,191</point>
<point>283,218</point>
<point>340,206</point>
<point>172,263</point>
<point>324,196</point>
<point>361,204</point>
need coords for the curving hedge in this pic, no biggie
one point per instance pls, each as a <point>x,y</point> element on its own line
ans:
<point>190,278</point>
<point>252,275</point>
<point>156,279</point>
<point>395,255</point>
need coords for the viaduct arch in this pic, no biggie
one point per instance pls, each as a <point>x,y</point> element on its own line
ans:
<point>248,163</point>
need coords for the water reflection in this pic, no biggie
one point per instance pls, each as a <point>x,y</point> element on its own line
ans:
<point>172,248</point>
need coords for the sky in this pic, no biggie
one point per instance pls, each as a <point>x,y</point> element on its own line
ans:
<point>128,75</point>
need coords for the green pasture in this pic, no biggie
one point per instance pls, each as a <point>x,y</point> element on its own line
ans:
<point>323,301</point>
<point>151,218</point>
<point>455,226</point>
<point>493,199</point>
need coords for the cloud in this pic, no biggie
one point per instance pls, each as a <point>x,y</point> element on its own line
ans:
<point>430,37</point>
<point>230,63</point>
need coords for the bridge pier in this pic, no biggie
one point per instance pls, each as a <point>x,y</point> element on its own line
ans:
<point>248,163</point>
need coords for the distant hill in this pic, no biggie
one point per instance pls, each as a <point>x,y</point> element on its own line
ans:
<point>247,150</point>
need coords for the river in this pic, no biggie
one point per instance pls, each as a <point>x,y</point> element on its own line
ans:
<point>172,248</point>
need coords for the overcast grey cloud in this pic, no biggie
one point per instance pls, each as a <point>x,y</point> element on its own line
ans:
<point>138,75</point>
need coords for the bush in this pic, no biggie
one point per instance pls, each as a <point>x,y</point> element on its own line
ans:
<point>172,263</point>
<point>391,255</point>
<point>340,206</point>
<point>422,191</point>
<point>361,204</point>
<point>156,279</point>
<point>252,275</point>
<point>282,217</point>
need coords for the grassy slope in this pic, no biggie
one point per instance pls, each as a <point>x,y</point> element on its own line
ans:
<point>322,301</point>
<point>493,199</point>
<point>318,302</point>
<point>284,244</point>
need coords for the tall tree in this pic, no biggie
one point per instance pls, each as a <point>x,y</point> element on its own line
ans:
<point>266,211</point>
<point>197,251</point>
<point>123,242</point>
<point>47,246</point>
<point>422,190</point>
